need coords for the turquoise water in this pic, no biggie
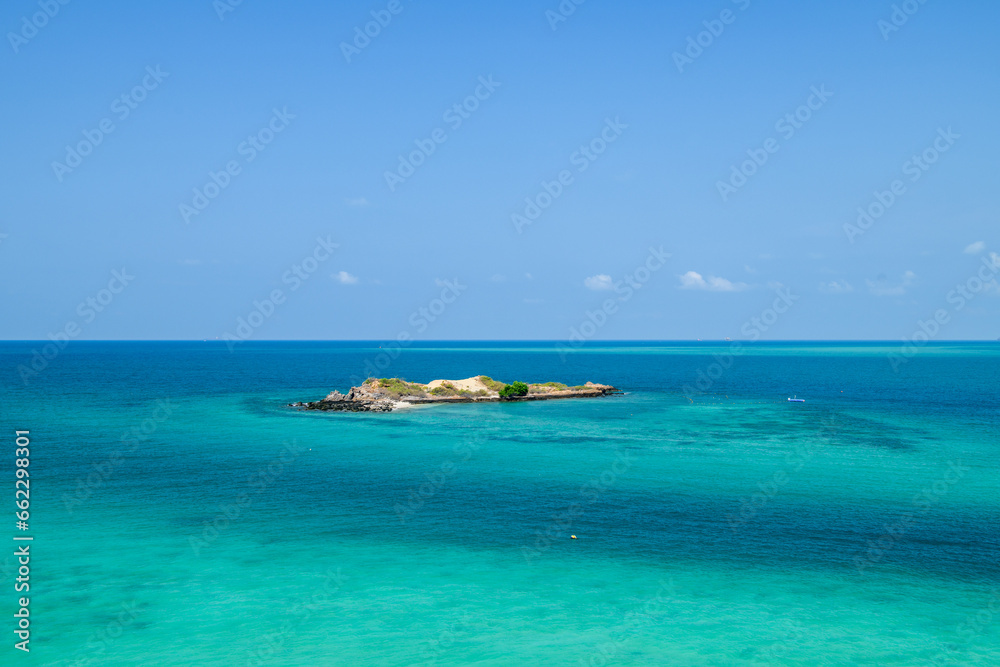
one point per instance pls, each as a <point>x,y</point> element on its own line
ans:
<point>183,516</point>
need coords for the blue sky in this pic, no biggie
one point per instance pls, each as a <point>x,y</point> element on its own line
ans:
<point>621,145</point>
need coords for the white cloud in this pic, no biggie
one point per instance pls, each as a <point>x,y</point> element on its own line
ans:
<point>601,281</point>
<point>534,300</point>
<point>749,269</point>
<point>498,278</point>
<point>694,280</point>
<point>189,262</point>
<point>344,278</point>
<point>836,287</point>
<point>360,201</point>
<point>975,248</point>
<point>881,287</point>
<point>528,276</point>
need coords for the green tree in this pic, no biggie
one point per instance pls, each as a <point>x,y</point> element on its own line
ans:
<point>514,389</point>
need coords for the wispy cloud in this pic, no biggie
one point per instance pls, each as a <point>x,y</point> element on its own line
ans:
<point>601,281</point>
<point>359,201</point>
<point>975,248</point>
<point>345,278</point>
<point>836,287</point>
<point>882,287</point>
<point>694,280</point>
<point>498,278</point>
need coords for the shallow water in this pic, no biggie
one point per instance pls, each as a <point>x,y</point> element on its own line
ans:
<point>182,515</point>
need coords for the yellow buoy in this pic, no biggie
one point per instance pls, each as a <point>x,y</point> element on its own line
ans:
<point>573,537</point>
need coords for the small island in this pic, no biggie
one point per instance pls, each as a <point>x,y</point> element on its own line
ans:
<point>387,394</point>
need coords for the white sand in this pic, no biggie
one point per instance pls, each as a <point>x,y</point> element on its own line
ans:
<point>468,384</point>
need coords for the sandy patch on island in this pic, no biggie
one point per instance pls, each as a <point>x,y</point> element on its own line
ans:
<point>468,384</point>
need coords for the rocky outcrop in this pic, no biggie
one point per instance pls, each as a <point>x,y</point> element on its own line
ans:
<point>358,399</point>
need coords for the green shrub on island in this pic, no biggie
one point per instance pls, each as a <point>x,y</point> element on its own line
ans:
<point>445,389</point>
<point>491,384</point>
<point>396,387</point>
<point>546,387</point>
<point>513,390</point>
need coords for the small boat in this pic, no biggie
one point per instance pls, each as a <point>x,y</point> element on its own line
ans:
<point>796,400</point>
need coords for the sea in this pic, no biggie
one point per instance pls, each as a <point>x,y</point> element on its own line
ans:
<point>181,513</point>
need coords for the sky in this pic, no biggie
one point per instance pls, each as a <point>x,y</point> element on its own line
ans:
<point>529,169</point>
